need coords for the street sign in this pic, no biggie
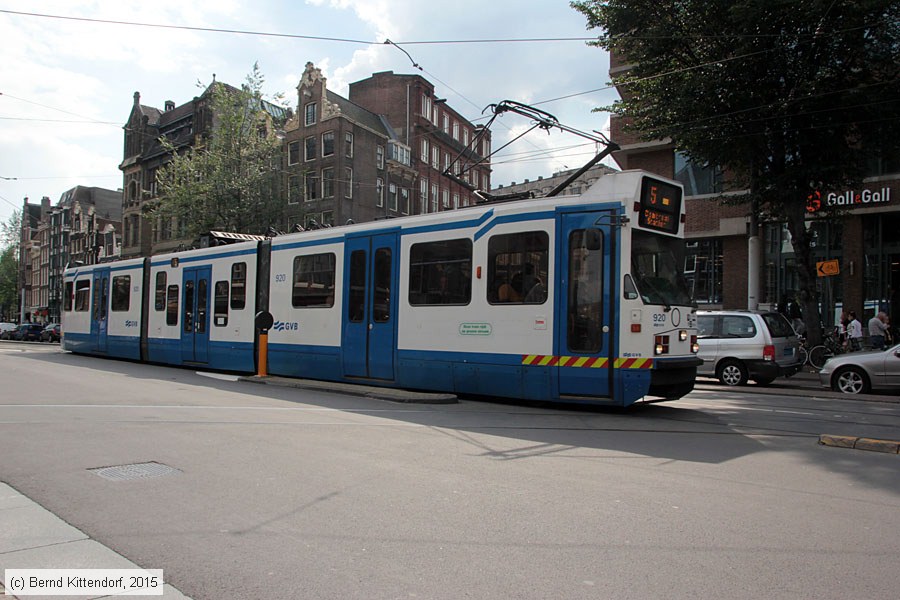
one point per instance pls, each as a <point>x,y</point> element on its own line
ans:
<point>827,268</point>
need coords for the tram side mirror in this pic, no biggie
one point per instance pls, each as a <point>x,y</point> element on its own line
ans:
<point>630,290</point>
<point>593,240</point>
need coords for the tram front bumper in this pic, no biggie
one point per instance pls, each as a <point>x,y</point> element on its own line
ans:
<point>672,378</point>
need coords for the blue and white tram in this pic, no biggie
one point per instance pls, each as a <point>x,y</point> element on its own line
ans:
<point>572,298</point>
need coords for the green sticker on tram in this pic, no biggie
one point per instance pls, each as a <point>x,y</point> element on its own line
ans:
<point>474,329</point>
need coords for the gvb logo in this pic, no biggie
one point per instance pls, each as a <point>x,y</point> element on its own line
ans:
<point>284,326</point>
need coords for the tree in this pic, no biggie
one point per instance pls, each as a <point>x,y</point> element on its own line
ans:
<point>10,231</point>
<point>230,179</point>
<point>790,97</point>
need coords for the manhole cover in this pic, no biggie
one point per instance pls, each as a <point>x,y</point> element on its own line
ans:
<point>135,471</point>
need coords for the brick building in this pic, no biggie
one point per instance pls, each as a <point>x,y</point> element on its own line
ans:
<point>84,227</point>
<point>864,237</point>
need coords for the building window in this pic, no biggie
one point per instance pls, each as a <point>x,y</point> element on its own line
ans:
<point>440,273</point>
<point>436,157</point>
<point>238,285</point>
<point>465,139</point>
<point>327,183</point>
<point>455,131</point>
<point>446,124</point>
<point>517,268</point>
<point>348,182</point>
<point>310,112</point>
<point>423,195</point>
<point>455,200</point>
<point>313,281</point>
<point>392,197</point>
<point>379,157</point>
<point>312,186</point>
<point>434,197</point>
<point>327,217</point>
<point>399,152</point>
<point>348,145</point>
<point>425,151</point>
<point>310,151</point>
<point>294,191</point>
<point>445,198</point>
<point>426,106</point>
<point>697,179</point>
<point>404,201</point>
<point>293,153</point>
<point>328,143</point>
<point>379,191</point>
<point>703,263</point>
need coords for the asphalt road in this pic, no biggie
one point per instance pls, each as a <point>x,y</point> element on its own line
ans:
<point>286,493</point>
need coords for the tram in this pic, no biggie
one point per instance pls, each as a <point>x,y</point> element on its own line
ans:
<point>575,298</point>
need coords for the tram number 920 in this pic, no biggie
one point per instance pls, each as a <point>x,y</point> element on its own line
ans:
<point>659,319</point>
<point>280,278</point>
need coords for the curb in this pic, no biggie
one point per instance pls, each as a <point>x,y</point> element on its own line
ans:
<point>366,391</point>
<point>858,443</point>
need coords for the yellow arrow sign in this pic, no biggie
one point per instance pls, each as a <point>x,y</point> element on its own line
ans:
<point>828,267</point>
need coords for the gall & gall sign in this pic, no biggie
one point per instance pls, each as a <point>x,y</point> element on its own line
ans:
<point>816,201</point>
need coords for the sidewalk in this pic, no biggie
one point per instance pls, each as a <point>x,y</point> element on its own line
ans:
<point>31,537</point>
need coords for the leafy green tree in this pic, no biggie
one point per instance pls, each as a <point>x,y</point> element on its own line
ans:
<point>231,179</point>
<point>788,96</point>
<point>10,231</point>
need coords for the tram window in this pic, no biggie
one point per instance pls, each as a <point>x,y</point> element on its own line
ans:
<point>585,302</point>
<point>356,301</point>
<point>238,285</point>
<point>101,298</point>
<point>440,273</point>
<point>68,299</point>
<point>121,293</point>
<point>220,304</point>
<point>313,281</point>
<point>172,305</point>
<point>82,294</point>
<point>160,303</point>
<point>518,268</point>
<point>381,297</point>
<point>188,306</point>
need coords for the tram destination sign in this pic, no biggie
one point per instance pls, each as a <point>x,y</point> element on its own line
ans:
<point>660,206</point>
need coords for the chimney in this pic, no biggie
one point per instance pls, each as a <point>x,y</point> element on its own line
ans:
<point>170,105</point>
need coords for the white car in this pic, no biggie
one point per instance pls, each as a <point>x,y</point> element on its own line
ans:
<point>6,328</point>
<point>861,372</point>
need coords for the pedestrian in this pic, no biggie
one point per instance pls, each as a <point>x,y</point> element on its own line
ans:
<point>877,331</point>
<point>842,331</point>
<point>854,331</point>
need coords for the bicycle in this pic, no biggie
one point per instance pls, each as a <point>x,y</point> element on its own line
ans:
<point>817,355</point>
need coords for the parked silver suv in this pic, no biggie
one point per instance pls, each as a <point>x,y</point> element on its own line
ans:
<point>738,345</point>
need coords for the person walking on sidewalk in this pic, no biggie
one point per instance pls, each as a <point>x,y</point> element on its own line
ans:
<point>854,331</point>
<point>877,331</point>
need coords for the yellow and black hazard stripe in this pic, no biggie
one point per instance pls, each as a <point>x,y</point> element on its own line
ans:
<point>585,362</point>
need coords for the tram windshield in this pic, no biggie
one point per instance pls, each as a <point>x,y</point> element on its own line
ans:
<point>656,268</point>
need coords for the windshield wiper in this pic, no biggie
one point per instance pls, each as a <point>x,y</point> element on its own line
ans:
<point>659,293</point>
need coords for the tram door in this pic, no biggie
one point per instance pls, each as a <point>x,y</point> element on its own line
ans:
<point>585,307</point>
<point>369,326</point>
<point>100,310</point>
<point>195,315</point>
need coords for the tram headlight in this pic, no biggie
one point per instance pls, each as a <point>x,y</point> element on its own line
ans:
<point>682,335</point>
<point>695,347</point>
<point>662,344</point>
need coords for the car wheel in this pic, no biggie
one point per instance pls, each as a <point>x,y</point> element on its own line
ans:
<point>732,373</point>
<point>850,380</point>
<point>764,380</point>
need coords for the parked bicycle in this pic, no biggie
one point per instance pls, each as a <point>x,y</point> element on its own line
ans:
<point>817,355</point>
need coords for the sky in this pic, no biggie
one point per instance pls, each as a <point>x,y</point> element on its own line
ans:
<point>67,85</point>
